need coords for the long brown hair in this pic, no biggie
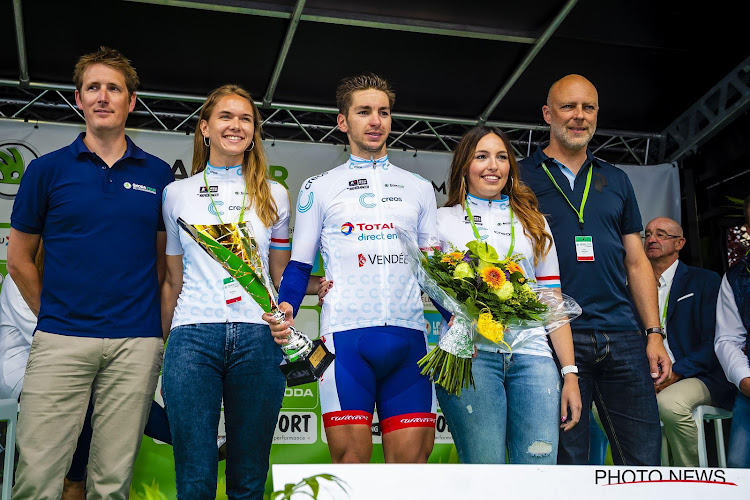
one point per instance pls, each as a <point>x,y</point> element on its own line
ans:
<point>254,162</point>
<point>522,199</point>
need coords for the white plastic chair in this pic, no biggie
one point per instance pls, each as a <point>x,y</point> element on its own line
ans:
<point>9,413</point>
<point>705,412</point>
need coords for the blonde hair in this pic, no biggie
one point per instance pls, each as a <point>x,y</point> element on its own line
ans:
<point>522,200</point>
<point>254,162</point>
<point>108,57</point>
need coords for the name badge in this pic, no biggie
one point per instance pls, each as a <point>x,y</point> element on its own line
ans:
<point>232,290</point>
<point>584,248</point>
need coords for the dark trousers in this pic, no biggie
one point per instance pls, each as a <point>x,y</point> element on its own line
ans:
<point>614,373</point>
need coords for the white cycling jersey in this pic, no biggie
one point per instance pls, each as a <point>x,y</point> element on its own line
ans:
<point>203,298</point>
<point>350,213</point>
<point>492,219</point>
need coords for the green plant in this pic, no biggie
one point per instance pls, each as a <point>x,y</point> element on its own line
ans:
<point>311,483</point>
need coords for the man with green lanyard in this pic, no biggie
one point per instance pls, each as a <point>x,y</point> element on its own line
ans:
<point>595,221</point>
<point>687,308</point>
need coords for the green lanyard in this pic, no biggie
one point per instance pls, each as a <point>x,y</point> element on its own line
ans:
<point>664,312</point>
<point>208,189</point>
<point>578,212</point>
<point>512,230</point>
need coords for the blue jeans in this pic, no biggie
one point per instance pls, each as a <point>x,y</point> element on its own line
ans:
<point>739,436</point>
<point>202,364</point>
<point>613,371</point>
<point>516,404</point>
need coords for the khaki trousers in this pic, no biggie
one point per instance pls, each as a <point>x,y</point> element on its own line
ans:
<point>676,404</point>
<point>62,374</point>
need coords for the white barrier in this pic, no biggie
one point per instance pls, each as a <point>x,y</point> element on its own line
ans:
<point>527,482</point>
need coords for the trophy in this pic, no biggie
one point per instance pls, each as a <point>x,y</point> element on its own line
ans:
<point>233,246</point>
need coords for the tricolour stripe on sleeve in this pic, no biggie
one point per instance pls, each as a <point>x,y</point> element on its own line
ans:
<point>280,244</point>
<point>548,281</point>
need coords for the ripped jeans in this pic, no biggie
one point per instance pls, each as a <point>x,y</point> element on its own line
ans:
<point>516,404</point>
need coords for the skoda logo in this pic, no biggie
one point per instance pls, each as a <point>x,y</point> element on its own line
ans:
<point>14,157</point>
<point>127,185</point>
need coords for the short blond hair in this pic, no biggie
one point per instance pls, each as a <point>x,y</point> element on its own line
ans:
<point>111,58</point>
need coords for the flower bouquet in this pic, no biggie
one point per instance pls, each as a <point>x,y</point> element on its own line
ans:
<point>495,298</point>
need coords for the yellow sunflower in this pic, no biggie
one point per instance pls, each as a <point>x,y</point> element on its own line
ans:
<point>514,268</point>
<point>493,276</point>
<point>452,258</point>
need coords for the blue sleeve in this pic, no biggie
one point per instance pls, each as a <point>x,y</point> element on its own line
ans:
<point>30,206</point>
<point>293,285</point>
<point>445,314</point>
<point>631,216</point>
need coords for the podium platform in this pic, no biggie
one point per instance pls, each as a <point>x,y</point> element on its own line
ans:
<point>458,481</point>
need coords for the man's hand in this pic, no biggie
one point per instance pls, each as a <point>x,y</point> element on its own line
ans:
<point>745,386</point>
<point>658,360</point>
<point>280,331</point>
<point>676,377</point>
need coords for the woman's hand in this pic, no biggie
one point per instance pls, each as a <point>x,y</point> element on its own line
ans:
<point>570,399</point>
<point>325,286</point>
<point>280,331</point>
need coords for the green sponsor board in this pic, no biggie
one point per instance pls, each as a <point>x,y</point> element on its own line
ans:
<point>3,272</point>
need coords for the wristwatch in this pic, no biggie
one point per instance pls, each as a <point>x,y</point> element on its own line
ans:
<point>568,369</point>
<point>656,329</point>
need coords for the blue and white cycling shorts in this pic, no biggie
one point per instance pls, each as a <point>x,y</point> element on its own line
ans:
<point>377,366</point>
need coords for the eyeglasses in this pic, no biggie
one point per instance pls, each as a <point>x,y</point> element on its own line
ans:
<point>659,235</point>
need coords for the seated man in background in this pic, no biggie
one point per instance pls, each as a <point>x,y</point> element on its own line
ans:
<point>687,297</point>
<point>732,346</point>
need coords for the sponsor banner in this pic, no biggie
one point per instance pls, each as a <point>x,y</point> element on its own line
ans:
<point>296,428</point>
<point>530,482</point>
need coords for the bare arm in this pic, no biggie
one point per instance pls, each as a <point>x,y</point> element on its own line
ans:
<point>22,248</point>
<point>161,247</point>
<point>277,261</point>
<point>170,291</point>
<point>570,397</point>
<point>642,285</point>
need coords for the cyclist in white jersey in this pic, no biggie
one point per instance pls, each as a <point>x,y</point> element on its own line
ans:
<point>372,318</point>
<point>518,402</point>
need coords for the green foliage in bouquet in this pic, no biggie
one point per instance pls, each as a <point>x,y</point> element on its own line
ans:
<point>485,284</point>
<point>494,291</point>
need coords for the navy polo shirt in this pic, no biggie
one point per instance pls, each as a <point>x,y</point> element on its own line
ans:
<point>98,226</point>
<point>611,211</point>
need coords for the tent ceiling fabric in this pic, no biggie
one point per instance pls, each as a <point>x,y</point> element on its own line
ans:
<point>651,61</point>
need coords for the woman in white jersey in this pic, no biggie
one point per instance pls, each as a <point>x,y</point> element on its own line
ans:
<point>518,402</point>
<point>219,347</point>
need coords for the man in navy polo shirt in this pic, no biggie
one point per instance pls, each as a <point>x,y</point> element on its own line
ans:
<point>97,206</point>
<point>601,257</point>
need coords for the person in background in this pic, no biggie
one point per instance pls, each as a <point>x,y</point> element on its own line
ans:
<point>732,345</point>
<point>518,401</point>
<point>97,206</point>
<point>595,221</point>
<point>687,308</point>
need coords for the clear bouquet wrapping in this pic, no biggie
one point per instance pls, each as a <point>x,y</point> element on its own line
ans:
<point>492,300</point>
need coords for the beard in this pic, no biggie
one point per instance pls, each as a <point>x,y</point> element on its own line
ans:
<point>369,147</point>
<point>561,134</point>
